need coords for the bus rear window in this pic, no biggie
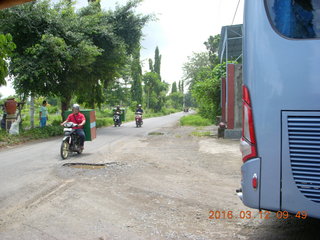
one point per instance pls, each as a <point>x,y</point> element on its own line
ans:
<point>298,19</point>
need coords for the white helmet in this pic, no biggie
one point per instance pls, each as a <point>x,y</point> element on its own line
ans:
<point>76,106</point>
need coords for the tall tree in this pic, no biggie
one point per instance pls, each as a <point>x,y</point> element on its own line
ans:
<point>157,62</point>
<point>151,69</point>
<point>174,87</point>
<point>136,89</point>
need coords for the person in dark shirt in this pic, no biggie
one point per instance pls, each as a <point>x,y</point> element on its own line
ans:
<point>139,109</point>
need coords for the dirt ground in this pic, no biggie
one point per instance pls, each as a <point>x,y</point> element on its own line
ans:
<point>162,186</point>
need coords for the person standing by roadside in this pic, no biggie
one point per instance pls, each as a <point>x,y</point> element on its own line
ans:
<point>43,114</point>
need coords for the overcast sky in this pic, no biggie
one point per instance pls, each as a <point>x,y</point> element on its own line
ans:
<point>181,28</point>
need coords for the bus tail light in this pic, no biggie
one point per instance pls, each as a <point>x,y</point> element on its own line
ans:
<point>255,181</point>
<point>248,146</point>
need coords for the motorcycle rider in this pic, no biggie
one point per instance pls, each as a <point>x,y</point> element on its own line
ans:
<point>78,118</point>
<point>118,112</point>
<point>139,112</point>
<point>139,109</point>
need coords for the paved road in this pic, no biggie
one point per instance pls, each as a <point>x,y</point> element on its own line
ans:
<point>28,173</point>
<point>155,187</point>
<point>22,167</point>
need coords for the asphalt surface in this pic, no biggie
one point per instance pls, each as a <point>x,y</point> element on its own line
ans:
<point>160,182</point>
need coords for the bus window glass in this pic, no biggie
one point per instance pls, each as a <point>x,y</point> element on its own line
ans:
<point>297,19</point>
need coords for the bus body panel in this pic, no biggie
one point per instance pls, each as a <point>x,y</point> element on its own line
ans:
<point>278,73</point>
<point>250,195</point>
<point>293,198</point>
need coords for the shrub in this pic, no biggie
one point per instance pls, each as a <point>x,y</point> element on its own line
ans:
<point>53,109</point>
<point>194,120</point>
<point>55,120</point>
<point>104,122</point>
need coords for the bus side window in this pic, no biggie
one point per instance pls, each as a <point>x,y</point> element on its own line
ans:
<point>298,19</point>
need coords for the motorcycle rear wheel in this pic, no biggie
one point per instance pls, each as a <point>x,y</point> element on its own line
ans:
<point>64,150</point>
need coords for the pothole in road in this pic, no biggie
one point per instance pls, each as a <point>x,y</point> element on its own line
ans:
<point>91,166</point>
<point>155,133</point>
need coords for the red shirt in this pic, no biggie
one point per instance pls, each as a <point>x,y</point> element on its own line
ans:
<point>76,118</point>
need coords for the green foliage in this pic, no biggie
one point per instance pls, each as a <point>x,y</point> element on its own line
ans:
<point>203,73</point>
<point>103,113</point>
<point>175,100</point>
<point>32,134</point>
<point>207,91</point>
<point>104,122</point>
<point>133,106</point>
<point>212,45</point>
<point>64,53</point>
<point>55,120</point>
<point>52,109</point>
<point>174,87</point>
<point>194,120</point>
<point>6,49</point>
<point>195,64</point>
<point>155,91</point>
<point>136,88</point>
<point>201,134</point>
<point>157,62</point>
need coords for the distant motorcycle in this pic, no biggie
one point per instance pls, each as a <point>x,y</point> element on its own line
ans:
<point>117,120</point>
<point>70,141</point>
<point>138,119</point>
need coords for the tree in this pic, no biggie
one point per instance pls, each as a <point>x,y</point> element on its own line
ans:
<point>195,64</point>
<point>6,49</point>
<point>157,62</point>
<point>136,89</point>
<point>151,65</point>
<point>150,80</point>
<point>63,53</point>
<point>155,91</point>
<point>212,45</point>
<point>207,92</point>
<point>174,87</point>
<point>51,49</point>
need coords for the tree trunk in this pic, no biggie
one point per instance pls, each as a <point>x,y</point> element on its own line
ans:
<point>65,103</point>
<point>32,111</point>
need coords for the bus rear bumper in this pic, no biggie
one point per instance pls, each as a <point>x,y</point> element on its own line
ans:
<point>250,183</point>
<point>239,193</point>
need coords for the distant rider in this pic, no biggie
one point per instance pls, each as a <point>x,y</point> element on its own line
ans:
<point>78,118</point>
<point>118,112</point>
<point>139,109</point>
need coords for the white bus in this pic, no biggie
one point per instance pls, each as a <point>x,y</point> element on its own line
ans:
<point>280,141</point>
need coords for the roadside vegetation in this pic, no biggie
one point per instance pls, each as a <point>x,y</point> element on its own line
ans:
<point>201,134</point>
<point>195,120</point>
<point>104,118</point>
<point>94,60</point>
<point>202,73</point>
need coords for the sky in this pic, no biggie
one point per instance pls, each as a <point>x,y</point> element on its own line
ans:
<point>181,29</point>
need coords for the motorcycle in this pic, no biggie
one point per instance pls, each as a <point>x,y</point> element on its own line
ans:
<point>117,120</point>
<point>70,141</point>
<point>138,119</point>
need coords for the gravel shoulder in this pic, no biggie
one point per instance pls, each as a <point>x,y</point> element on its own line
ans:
<point>161,186</point>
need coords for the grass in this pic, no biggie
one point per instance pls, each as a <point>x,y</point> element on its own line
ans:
<point>31,134</point>
<point>104,118</point>
<point>156,133</point>
<point>194,120</point>
<point>201,134</point>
